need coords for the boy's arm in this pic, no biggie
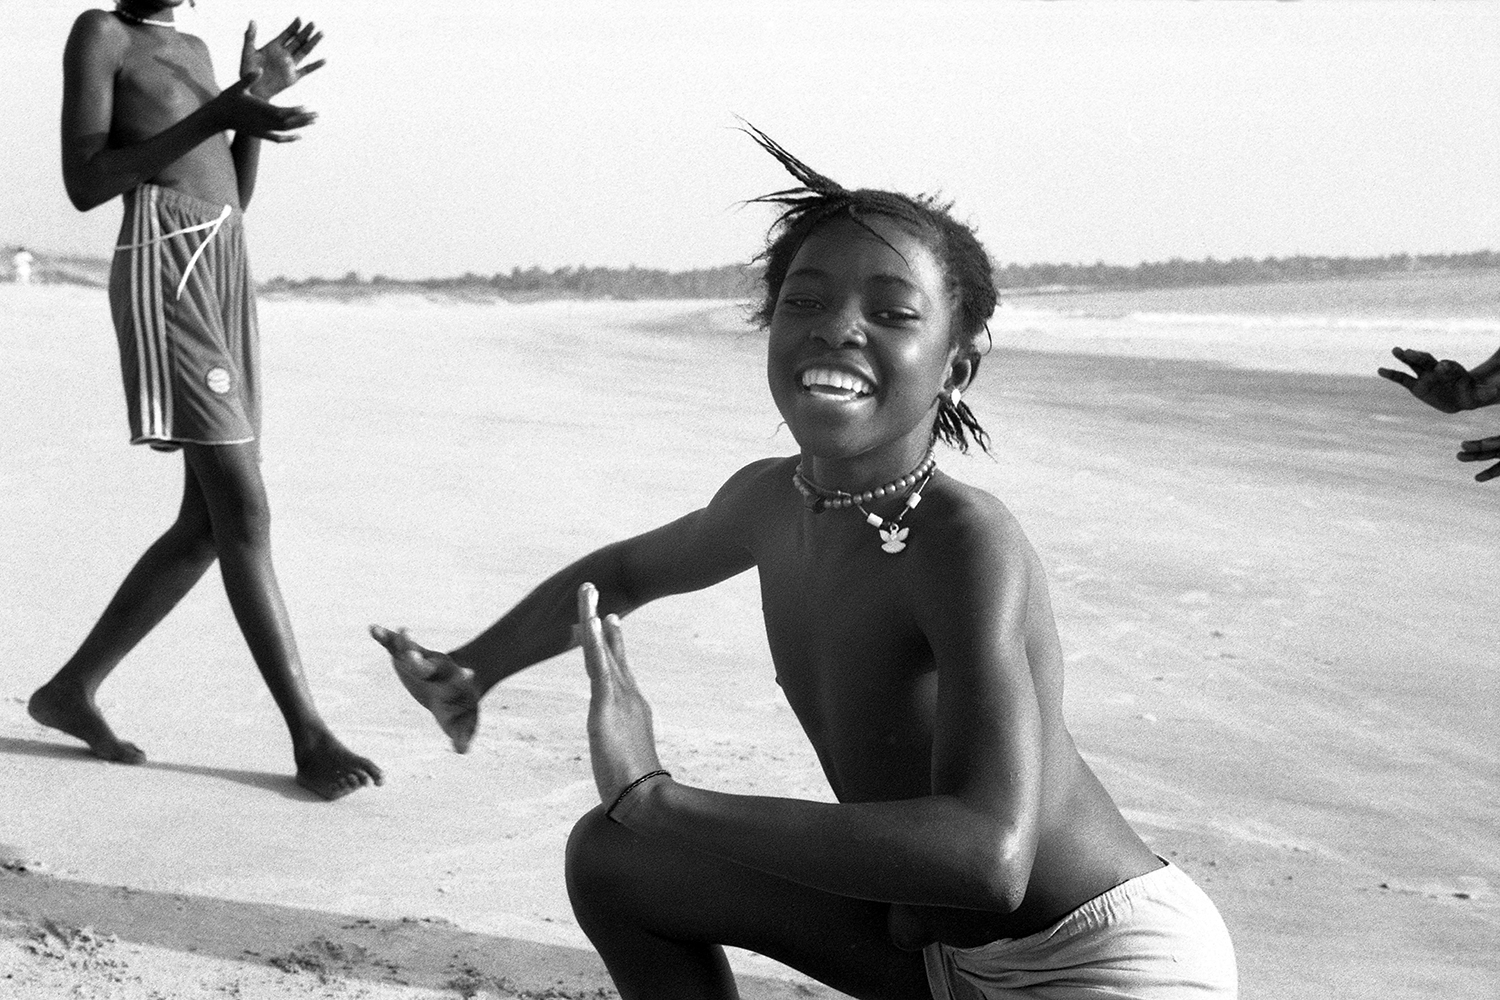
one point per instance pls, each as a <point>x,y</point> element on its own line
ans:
<point>969,844</point>
<point>245,151</point>
<point>93,171</point>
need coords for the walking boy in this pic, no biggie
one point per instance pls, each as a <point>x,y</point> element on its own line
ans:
<point>143,118</point>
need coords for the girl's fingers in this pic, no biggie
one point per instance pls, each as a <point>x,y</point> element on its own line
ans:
<point>614,638</point>
<point>590,634</point>
<point>588,605</point>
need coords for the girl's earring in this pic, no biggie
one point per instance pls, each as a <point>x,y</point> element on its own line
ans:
<point>955,396</point>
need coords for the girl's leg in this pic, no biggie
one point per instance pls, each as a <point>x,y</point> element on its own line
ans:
<point>160,578</point>
<point>235,494</point>
<point>659,915</point>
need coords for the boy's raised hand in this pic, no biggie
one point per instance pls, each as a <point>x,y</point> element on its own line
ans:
<point>239,110</point>
<point>279,60</point>
<point>1483,450</point>
<point>1444,385</point>
<point>438,683</point>
<point>622,746</point>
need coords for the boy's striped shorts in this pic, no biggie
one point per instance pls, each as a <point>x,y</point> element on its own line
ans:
<point>184,312</point>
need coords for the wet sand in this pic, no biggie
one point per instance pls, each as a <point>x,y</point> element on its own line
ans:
<point>1276,592</point>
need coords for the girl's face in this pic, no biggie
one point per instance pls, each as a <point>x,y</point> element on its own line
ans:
<point>860,349</point>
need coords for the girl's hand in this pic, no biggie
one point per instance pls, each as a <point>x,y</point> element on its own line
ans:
<point>279,59</point>
<point>622,746</point>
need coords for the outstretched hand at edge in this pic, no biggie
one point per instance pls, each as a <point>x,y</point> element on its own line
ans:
<point>622,746</point>
<point>1482,450</point>
<point>1443,385</point>
<point>437,681</point>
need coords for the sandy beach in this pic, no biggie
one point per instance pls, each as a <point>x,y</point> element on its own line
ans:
<point>1277,592</point>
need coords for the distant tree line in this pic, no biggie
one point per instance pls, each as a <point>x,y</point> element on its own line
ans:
<point>1177,272</point>
<point>740,281</point>
<point>732,281</point>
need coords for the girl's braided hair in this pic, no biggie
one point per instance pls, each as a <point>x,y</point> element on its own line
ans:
<point>966,265</point>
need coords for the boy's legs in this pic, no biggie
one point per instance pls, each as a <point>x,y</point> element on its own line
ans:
<point>659,913</point>
<point>160,578</point>
<point>235,496</point>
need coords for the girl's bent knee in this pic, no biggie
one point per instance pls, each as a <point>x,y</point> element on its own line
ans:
<point>589,845</point>
<point>602,864</point>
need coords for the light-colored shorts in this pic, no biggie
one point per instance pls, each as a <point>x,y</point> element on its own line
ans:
<point>1155,937</point>
<point>184,312</point>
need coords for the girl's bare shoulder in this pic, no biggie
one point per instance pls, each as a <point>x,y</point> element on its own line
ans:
<point>967,530</point>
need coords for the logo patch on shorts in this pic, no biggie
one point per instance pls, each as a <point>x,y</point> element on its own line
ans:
<point>218,380</point>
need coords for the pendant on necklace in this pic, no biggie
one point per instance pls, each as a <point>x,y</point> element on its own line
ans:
<point>893,539</point>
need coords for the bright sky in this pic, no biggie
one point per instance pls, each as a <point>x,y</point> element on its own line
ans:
<point>476,135</point>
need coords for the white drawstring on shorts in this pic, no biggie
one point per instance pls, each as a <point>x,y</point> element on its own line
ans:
<point>213,228</point>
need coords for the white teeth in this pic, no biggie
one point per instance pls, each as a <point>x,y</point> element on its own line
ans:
<point>833,379</point>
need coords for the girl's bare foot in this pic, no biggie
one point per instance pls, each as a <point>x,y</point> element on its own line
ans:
<point>438,683</point>
<point>328,768</point>
<point>74,712</point>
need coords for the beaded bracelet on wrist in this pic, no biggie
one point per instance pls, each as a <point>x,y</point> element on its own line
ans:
<point>659,772</point>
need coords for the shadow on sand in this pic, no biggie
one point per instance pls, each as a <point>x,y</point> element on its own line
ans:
<point>282,784</point>
<point>427,953</point>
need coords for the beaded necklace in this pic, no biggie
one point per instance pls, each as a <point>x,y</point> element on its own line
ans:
<point>138,19</point>
<point>892,535</point>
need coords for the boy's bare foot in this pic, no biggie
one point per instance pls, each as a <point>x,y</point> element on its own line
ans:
<point>438,683</point>
<point>75,713</point>
<point>328,768</point>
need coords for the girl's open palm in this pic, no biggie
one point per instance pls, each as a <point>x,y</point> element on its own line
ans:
<point>279,60</point>
<point>622,746</point>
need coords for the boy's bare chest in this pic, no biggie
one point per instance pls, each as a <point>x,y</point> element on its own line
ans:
<point>160,84</point>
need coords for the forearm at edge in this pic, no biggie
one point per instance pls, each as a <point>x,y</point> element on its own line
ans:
<point>1488,371</point>
<point>540,626</point>
<point>935,850</point>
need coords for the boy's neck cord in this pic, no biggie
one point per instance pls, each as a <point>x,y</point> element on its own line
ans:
<point>138,19</point>
<point>892,535</point>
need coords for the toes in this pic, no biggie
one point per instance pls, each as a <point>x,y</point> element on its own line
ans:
<point>461,730</point>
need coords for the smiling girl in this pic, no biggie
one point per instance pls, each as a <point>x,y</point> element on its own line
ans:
<point>971,852</point>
